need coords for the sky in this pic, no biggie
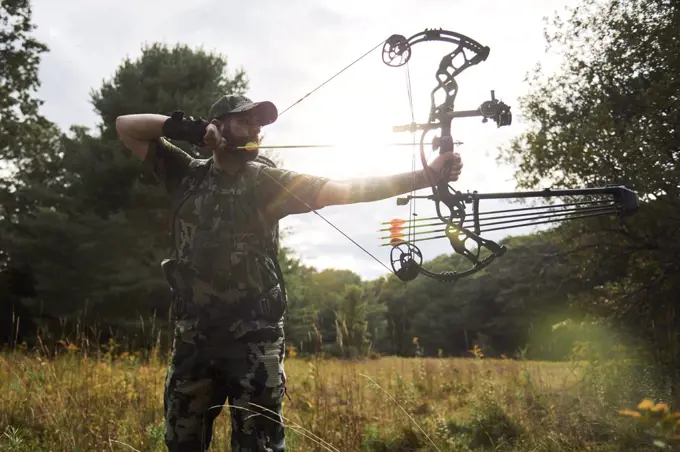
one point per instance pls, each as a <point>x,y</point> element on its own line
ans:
<point>289,48</point>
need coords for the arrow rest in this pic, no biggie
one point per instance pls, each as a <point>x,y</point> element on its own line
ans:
<point>436,143</point>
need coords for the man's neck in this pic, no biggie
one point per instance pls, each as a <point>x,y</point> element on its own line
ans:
<point>226,163</point>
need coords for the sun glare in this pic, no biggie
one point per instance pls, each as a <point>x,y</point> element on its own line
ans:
<point>357,113</point>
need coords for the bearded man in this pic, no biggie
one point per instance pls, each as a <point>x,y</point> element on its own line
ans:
<point>228,292</point>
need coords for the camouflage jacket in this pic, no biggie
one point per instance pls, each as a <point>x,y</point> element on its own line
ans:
<point>224,232</point>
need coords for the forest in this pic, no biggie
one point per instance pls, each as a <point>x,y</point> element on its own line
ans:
<point>584,289</point>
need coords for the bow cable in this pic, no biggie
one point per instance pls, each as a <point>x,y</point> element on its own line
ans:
<point>331,78</point>
<point>297,197</point>
<point>412,205</point>
<point>313,210</point>
<point>413,164</point>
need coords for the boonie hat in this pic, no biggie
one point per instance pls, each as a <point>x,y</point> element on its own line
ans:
<point>238,103</point>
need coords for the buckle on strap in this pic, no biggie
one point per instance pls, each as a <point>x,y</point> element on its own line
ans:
<point>269,306</point>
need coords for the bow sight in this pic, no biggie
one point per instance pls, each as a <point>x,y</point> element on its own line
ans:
<point>490,109</point>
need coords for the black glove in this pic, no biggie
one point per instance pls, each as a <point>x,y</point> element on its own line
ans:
<point>185,129</point>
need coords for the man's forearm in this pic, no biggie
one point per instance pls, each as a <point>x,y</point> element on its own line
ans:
<point>369,189</point>
<point>141,127</point>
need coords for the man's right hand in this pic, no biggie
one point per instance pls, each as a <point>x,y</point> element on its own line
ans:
<point>213,139</point>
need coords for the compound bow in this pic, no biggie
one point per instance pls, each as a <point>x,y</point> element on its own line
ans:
<point>406,257</point>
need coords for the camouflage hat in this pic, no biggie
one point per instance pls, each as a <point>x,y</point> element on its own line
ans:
<point>237,103</point>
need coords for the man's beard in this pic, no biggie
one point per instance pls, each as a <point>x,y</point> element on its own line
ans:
<point>240,155</point>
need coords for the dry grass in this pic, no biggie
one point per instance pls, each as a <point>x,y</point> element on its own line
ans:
<point>76,402</point>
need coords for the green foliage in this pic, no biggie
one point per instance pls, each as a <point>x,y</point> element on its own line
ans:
<point>492,428</point>
<point>88,222</point>
<point>28,151</point>
<point>605,115</point>
<point>610,115</point>
<point>15,439</point>
<point>657,421</point>
<point>329,310</point>
<point>86,229</point>
<point>163,80</point>
<point>351,323</point>
<point>407,439</point>
<point>503,309</point>
<point>19,60</point>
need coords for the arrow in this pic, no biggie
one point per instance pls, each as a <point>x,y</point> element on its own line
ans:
<point>508,222</point>
<point>254,146</point>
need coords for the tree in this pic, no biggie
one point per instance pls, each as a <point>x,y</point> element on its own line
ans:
<point>29,152</point>
<point>302,311</point>
<point>351,322</point>
<point>19,61</point>
<point>163,80</point>
<point>611,115</point>
<point>95,239</point>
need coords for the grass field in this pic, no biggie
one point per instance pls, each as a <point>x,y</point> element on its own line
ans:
<point>79,402</point>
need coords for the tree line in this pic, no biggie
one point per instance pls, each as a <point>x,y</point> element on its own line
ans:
<point>83,227</point>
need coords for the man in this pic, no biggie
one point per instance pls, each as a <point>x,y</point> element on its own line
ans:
<point>228,292</point>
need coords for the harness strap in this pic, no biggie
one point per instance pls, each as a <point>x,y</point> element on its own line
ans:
<point>198,169</point>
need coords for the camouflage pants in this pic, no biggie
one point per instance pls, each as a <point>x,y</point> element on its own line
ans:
<point>204,373</point>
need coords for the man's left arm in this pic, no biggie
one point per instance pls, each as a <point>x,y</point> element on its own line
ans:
<point>369,189</point>
<point>287,193</point>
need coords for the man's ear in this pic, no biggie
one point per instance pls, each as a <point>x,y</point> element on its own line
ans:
<point>221,124</point>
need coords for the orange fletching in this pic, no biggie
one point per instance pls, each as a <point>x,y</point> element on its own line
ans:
<point>396,230</point>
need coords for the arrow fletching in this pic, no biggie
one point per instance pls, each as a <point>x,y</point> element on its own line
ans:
<point>251,146</point>
<point>397,235</point>
<point>395,241</point>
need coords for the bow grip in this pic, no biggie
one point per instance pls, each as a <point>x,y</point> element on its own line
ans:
<point>445,144</point>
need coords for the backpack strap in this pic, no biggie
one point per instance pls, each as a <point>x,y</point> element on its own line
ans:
<point>273,247</point>
<point>198,168</point>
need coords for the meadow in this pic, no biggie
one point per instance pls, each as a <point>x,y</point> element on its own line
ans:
<point>77,400</point>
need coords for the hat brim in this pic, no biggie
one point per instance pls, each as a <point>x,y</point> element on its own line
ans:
<point>266,111</point>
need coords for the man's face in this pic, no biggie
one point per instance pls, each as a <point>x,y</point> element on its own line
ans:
<point>243,126</point>
<point>240,130</point>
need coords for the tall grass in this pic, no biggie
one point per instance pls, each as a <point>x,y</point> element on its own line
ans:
<point>80,399</point>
